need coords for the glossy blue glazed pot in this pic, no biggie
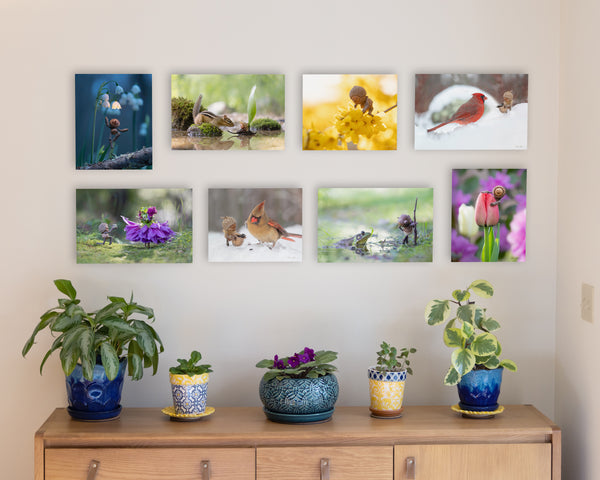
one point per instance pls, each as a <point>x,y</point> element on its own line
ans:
<point>96,399</point>
<point>478,390</point>
<point>299,395</point>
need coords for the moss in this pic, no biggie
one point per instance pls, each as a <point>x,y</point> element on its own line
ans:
<point>181,113</point>
<point>205,130</point>
<point>265,124</point>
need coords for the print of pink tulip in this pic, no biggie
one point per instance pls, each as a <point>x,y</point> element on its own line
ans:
<point>487,214</point>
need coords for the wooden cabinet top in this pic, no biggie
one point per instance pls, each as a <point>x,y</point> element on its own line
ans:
<point>248,426</point>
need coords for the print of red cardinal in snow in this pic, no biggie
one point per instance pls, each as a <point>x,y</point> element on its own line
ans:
<point>266,230</point>
<point>468,112</point>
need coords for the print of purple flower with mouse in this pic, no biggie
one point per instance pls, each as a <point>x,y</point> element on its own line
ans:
<point>148,230</point>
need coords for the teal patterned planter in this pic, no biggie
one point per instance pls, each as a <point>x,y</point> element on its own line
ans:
<point>299,396</point>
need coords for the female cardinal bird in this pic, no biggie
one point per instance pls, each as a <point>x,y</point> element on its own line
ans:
<point>468,112</point>
<point>266,230</point>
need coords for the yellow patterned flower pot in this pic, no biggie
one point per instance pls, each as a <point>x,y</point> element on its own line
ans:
<point>387,393</point>
<point>189,393</point>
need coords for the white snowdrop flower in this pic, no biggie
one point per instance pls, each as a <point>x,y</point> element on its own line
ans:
<point>123,100</point>
<point>467,226</point>
<point>104,97</point>
<point>136,89</point>
<point>118,90</point>
<point>105,104</point>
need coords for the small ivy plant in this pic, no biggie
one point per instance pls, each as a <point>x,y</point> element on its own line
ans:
<point>389,360</point>
<point>190,367</point>
<point>468,332</point>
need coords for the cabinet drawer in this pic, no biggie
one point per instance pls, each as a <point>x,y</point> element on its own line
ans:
<point>149,463</point>
<point>343,463</point>
<point>524,461</point>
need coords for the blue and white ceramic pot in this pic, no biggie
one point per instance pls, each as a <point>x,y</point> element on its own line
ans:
<point>299,396</point>
<point>96,399</point>
<point>189,393</point>
<point>478,390</point>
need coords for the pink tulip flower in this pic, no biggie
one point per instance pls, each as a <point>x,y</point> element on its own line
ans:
<point>487,213</point>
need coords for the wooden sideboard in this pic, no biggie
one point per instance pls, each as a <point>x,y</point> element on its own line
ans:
<point>427,443</point>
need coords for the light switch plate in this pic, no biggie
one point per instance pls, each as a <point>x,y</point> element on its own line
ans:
<point>587,302</point>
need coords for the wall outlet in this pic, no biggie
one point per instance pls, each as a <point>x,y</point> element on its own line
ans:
<point>587,302</point>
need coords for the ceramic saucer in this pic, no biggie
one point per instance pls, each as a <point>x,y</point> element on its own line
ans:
<point>187,417</point>
<point>477,414</point>
<point>299,418</point>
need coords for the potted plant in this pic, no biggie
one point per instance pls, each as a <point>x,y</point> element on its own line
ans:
<point>387,380</point>
<point>475,364</point>
<point>299,388</point>
<point>189,382</point>
<point>95,348</point>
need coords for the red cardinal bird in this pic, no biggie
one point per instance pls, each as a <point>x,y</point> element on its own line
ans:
<point>468,112</point>
<point>266,230</point>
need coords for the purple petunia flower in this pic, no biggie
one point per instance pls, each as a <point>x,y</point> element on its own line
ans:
<point>462,249</point>
<point>516,237</point>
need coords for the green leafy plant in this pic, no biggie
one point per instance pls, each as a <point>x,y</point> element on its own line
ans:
<point>389,360</point>
<point>189,367</point>
<point>102,336</point>
<point>468,332</point>
<point>305,364</point>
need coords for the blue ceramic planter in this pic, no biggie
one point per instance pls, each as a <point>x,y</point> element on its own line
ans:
<point>299,395</point>
<point>478,390</point>
<point>96,399</point>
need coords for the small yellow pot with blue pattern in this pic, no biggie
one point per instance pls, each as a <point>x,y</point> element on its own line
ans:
<point>387,393</point>
<point>189,393</point>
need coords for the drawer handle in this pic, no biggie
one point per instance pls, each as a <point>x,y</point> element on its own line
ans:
<point>324,469</point>
<point>410,468</point>
<point>93,469</point>
<point>205,466</point>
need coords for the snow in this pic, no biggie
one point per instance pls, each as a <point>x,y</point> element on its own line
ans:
<point>253,251</point>
<point>493,131</point>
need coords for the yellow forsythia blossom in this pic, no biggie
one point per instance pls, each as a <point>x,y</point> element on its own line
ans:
<point>325,140</point>
<point>351,122</point>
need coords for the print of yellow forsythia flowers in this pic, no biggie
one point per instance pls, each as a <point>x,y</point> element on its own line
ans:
<point>340,125</point>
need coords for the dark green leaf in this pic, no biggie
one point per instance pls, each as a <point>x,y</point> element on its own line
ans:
<point>66,287</point>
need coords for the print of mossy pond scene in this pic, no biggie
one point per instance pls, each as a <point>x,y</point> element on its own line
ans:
<point>149,225</point>
<point>227,112</point>
<point>375,225</point>
<point>113,121</point>
<point>489,215</point>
